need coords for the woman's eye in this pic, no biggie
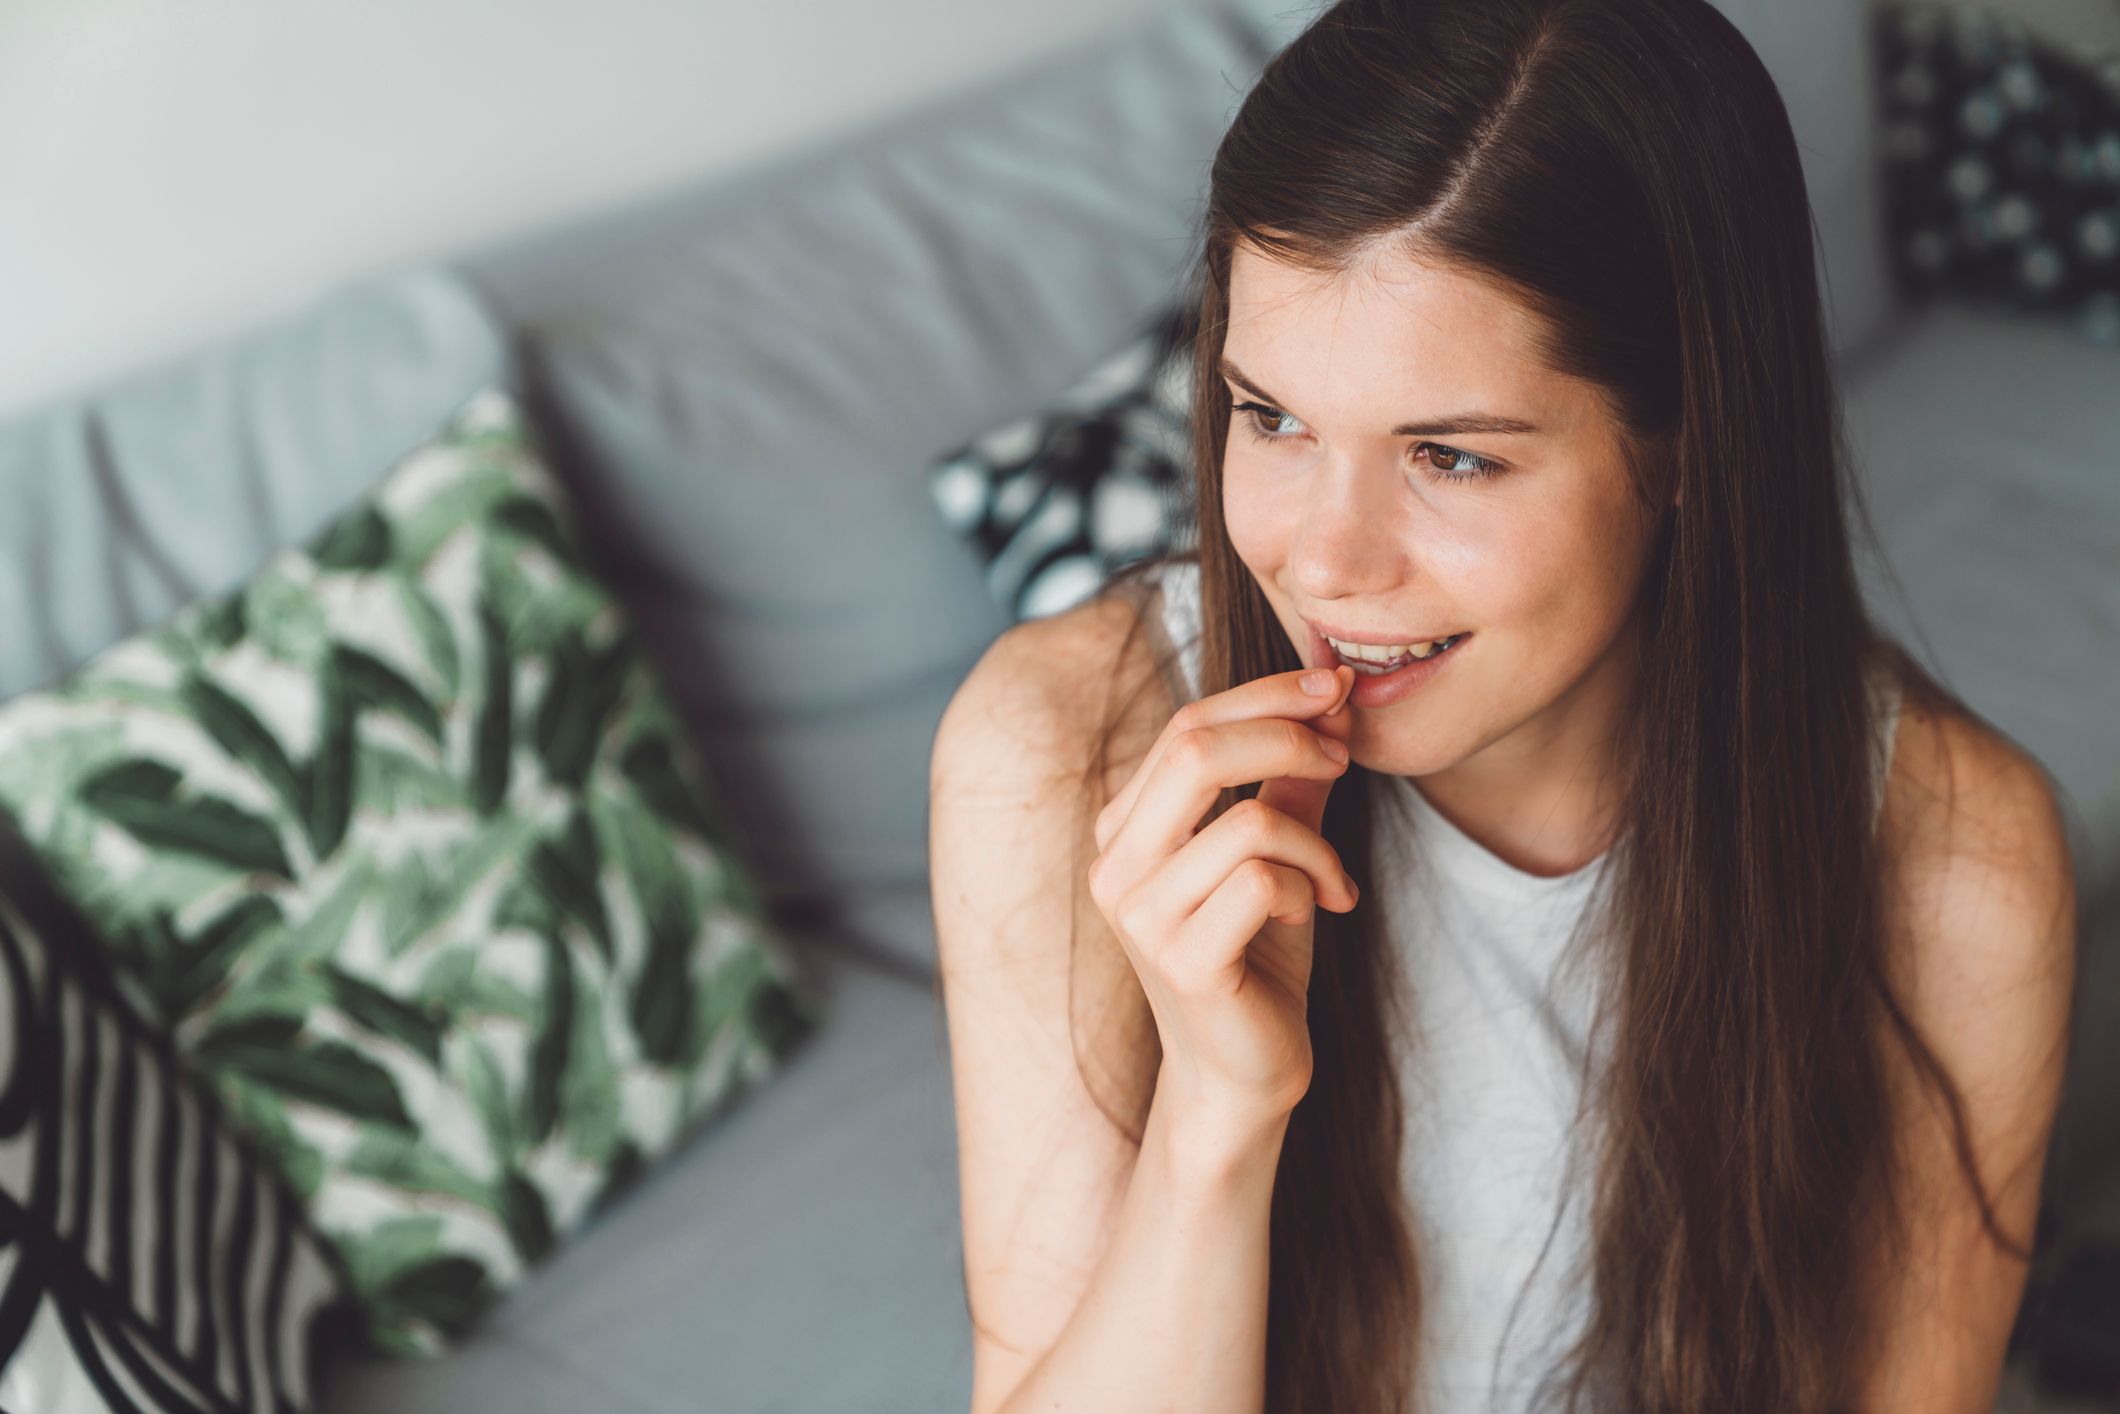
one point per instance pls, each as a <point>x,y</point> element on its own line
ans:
<point>1446,463</point>
<point>1457,464</point>
<point>1257,415</point>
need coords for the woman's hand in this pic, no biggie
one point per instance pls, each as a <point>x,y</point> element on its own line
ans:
<point>1218,922</point>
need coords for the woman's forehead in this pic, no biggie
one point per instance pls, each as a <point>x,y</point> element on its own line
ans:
<point>1397,340</point>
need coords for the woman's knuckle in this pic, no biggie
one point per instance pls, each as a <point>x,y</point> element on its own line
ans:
<point>1189,751</point>
<point>1260,880</point>
<point>1128,913</point>
<point>1255,819</point>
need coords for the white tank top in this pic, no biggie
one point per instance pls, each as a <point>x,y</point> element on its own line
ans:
<point>1491,1062</point>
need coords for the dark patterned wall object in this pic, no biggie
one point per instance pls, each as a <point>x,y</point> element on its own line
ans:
<point>1056,501</point>
<point>2002,164</point>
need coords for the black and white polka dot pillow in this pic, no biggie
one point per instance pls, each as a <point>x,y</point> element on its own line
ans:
<point>2003,163</point>
<point>1055,502</point>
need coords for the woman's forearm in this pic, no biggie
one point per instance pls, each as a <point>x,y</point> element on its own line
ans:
<point>1174,1319</point>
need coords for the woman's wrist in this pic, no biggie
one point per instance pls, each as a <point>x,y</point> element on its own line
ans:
<point>1211,1142</point>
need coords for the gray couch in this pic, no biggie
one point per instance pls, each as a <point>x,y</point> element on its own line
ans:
<point>746,383</point>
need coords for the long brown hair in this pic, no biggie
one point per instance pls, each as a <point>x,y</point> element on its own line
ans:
<point>1627,169</point>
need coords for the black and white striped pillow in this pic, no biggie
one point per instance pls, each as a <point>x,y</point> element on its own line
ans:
<point>1055,502</point>
<point>148,1261</point>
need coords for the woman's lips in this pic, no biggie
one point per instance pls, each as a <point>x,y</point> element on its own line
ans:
<point>1321,653</point>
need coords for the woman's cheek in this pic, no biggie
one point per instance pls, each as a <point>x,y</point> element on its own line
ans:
<point>1534,554</point>
<point>1261,518</point>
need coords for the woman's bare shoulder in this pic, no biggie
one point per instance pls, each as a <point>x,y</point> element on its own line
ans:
<point>1981,904</point>
<point>1962,796</point>
<point>1049,695</point>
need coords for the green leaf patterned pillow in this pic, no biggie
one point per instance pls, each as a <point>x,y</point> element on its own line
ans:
<point>404,842</point>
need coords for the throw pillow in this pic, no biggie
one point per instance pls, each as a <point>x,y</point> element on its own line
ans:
<point>149,1260</point>
<point>404,842</point>
<point>1055,502</point>
<point>2003,163</point>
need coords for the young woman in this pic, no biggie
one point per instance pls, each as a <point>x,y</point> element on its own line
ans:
<point>1647,995</point>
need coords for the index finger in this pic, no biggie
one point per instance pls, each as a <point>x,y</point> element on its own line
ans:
<point>1275,695</point>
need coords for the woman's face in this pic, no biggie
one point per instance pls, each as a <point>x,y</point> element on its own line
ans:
<point>1418,472</point>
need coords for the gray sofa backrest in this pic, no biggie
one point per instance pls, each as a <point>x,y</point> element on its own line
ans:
<point>757,376</point>
<point>179,480</point>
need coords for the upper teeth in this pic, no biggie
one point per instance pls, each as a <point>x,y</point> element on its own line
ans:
<point>1386,652</point>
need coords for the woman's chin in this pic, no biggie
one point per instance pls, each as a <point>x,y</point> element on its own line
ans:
<point>1375,751</point>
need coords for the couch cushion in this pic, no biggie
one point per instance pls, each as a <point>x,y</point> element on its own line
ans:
<point>404,842</point>
<point>179,480</point>
<point>2001,179</point>
<point>758,375</point>
<point>1054,502</point>
<point>153,1262</point>
<point>803,1253</point>
<point>1984,444</point>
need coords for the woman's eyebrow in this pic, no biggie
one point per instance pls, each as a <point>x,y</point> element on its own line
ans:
<point>1450,426</point>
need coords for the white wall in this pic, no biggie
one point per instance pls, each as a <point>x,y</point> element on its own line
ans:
<point>173,170</point>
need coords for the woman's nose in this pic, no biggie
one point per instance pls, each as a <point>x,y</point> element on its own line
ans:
<point>1351,539</point>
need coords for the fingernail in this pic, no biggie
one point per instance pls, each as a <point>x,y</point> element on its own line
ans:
<point>1319,681</point>
<point>1335,748</point>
